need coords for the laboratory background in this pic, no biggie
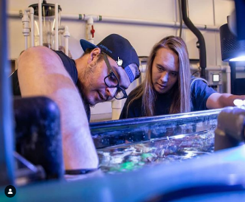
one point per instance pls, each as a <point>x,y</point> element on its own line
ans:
<point>195,156</point>
<point>143,23</point>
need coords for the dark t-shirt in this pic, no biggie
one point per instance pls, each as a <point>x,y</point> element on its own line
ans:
<point>70,67</point>
<point>200,92</point>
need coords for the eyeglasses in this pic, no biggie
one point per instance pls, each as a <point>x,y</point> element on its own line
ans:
<point>111,81</point>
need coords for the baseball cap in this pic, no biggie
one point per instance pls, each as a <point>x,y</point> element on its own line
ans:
<point>120,50</point>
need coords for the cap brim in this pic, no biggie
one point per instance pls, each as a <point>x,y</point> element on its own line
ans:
<point>85,45</point>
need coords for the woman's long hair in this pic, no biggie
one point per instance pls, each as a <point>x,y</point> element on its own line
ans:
<point>181,92</point>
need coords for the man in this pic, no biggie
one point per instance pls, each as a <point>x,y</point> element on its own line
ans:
<point>102,73</point>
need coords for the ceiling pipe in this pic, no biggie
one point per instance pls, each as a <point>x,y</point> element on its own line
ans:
<point>200,43</point>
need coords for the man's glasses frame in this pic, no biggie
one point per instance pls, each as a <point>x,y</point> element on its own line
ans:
<point>112,78</point>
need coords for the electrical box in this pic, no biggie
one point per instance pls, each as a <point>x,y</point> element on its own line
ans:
<point>215,79</point>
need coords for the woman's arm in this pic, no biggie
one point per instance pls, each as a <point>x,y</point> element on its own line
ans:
<point>220,100</point>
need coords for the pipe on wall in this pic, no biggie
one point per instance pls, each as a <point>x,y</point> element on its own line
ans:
<point>66,35</point>
<point>111,19</point>
<point>32,25</point>
<point>200,43</point>
<point>90,27</point>
<point>26,30</point>
<point>98,18</point>
<point>40,23</point>
<point>56,38</point>
<point>228,79</point>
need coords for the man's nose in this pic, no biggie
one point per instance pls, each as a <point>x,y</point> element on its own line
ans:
<point>111,92</point>
<point>164,76</point>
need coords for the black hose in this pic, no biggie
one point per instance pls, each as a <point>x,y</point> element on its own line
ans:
<point>200,43</point>
<point>180,19</point>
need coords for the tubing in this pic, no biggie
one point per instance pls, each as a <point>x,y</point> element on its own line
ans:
<point>98,18</point>
<point>56,27</point>
<point>228,79</point>
<point>26,42</point>
<point>26,29</point>
<point>90,23</point>
<point>66,35</point>
<point>40,23</point>
<point>32,25</point>
<point>198,34</point>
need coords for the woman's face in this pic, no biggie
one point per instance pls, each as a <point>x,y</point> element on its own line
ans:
<point>165,70</point>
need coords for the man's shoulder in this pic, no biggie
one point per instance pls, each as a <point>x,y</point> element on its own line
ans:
<point>38,50</point>
<point>64,57</point>
<point>69,65</point>
<point>37,53</point>
<point>38,60</point>
<point>61,54</point>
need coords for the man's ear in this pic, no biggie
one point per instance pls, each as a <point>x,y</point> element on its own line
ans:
<point>93,54</point>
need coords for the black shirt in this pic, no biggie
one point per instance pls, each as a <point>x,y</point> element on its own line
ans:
<point>200,93</point>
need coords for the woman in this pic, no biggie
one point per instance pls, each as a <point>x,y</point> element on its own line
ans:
<point>168,87</point>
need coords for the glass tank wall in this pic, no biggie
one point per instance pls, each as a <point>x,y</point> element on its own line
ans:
<point>130,144</point>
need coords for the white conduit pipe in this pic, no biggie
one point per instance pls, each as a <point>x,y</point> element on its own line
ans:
<point>40,23</point>
<point>66,35</point>
<point>31,11</point>
<point>15,14</point>
<point>137,21</point>
<point>116,106</point>
<point>56,42</point>
<point>32,25</point>
<point>90,23</point>
<point>228,78</point>
<point>26,30</point>
<point>26,42</point>
<point>97,18</point>
<point>156,23</point>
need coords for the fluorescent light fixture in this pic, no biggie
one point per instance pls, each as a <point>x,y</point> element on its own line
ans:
<point>240,58</point>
